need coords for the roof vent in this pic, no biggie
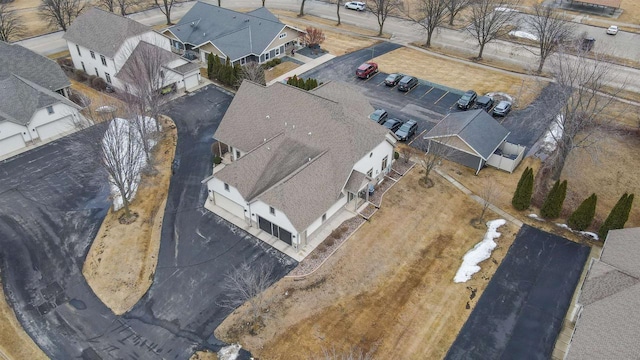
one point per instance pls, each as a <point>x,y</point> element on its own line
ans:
<point>309,159</point>
<point>265,140</point>
<point>203,34</point>
<point>293,126</point>
<point>268,117</point>
<point>285,123</point>
<point>246,20</point>
<point>193,23</point>
<point>309,134</point>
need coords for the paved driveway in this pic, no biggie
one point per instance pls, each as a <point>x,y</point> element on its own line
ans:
<point>50,210</point>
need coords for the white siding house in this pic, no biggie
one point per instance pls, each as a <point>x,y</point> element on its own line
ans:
<point>297,169</point>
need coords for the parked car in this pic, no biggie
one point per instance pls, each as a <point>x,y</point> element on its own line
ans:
<point>393,124</point>
<point>587,44</point>
<point>407,130</point>
<point>612,30</point>
<point>367,69</point>
<point>502,109</point>
<point>379,116</point>
<point>355,5</point>
<point>407,83</point>
<point>467,100</point>
<point>393,79</point>
<point>485,103</point>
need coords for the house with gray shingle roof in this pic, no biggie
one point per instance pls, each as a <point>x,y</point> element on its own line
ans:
<point>608,301</point>
<point>292,169</point>
<point>473,138</point>
<point>257,35</point>
<point>33,103</point>
<point>101,42</point>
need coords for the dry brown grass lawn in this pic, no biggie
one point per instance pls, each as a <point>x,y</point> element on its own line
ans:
<point>15,343</point>
<point>455,74</point>
<point>122,260</point>
<point>279,69</point>
<point>204,355</point>
<point>389,289</point>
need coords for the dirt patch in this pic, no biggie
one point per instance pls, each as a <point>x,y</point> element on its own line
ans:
<point>123,257</point>
<point>456,74</point>
<point>204,355</point>
<point>279,69</point>
<point>15,343</point>
<point>389,289</point>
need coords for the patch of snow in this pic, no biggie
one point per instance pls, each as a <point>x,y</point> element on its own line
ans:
<point>564,226</point>
<point>106,109</point>
<point>536,217</point>
<point>549,141</point>
<point>523,34</point>
<point>594,236</point>
<point>230,352</point>
<point>505,9</point>
<point>121,126</point>
<point>480,252</point>
<point>505,95</point>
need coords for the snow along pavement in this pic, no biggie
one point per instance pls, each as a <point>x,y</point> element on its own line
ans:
<point>480,252</point>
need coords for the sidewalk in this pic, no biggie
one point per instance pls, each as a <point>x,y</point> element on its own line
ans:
<point>308,65</point>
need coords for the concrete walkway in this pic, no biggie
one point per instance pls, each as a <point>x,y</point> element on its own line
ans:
<point>296,253</point>
<point>308,65</point>
<point>477,198</point>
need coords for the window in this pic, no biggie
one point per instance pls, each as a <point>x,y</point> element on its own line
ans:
<point>104,60</point>
<point>370,173</point>
<point>93,55</point>
<point>83,68</point>
<point>50,110</point>
<point>384,162</point>
<point>237,154</point>
<point>272,211</point>
<point>277,51</point>
<point>282,36</point>
<point>324,217</point>
<point>78,48</point>
<point>243,61</point>
<point>267,56</point>
<point>162,74</point>
<point>97,73</point>
<point>108,77</point>
<point>226,186</point>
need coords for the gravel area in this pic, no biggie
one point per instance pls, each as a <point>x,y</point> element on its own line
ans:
<point>368,211</point>
<point>376,198</point>
<point>394,175</point>
<point>327,247</point>
<point>402,167</point>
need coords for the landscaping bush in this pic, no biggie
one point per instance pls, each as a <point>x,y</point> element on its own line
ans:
<point>65,63</point>
<point>80,75</point>
<point>582,218</point>
<point>330,241</point>
<point>217,160</point>
<point>618,215</point>
<point>98,83</point>
<point>553,203</point>
<point>522,196</point>
<point>396,155</point>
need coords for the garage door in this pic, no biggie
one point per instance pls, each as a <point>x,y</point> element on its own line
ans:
<point>11,144</point>
<point>191,81</point>
<point>55,128</point>
<point>232,207</point>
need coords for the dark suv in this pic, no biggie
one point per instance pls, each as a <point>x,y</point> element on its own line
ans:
<point>407,83</point>
<point>485,103</point>
<point>407,130</point>
<point>392,124</point>
<point>379,116</point>
<point>367,69</point>
<point>467,100</point>
<point>393,79</point>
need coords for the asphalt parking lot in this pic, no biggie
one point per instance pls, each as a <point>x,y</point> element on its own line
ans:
<point>520,313</point>
<point>51,206</point>
<point>427,103</point>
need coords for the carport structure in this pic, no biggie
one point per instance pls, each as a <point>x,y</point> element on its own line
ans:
<point>612,5</point>
<point>473,139</point>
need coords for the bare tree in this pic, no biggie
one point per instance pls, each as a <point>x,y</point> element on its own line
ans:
<point>454,7</point>
<point>490,20</point>
<point>437,149</point>
<point>263,2</point>
<point>432,15</point>
<point>406,152</point>
<point>247,283</point>
<point>107,4</point>
<point>338,4</point>
<point>61,13</point>
<point>301,14</point>
<point>312,36</point>
<point>551,28</point>
<point>165,7</point>
<point>252,71</point>
<point>382,9</point>
<point>578,92</point>
<point>11,25</point>
<point>489,193</point>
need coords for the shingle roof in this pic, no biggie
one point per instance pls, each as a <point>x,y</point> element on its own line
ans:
<point>143,50</point>
<point>479,130</point>
<point>21,98</point>
<point>236,34</point>
<point>356,181</point>
<point>609,321</point>
<point>301,146</point>
<point>17,60</point>
<point>103,31</point>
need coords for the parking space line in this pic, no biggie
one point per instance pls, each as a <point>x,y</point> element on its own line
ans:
<point>445,94</point>
<point>408,91</point>
<point>417,137</point>
<point>428,91</point>
<point>371,77</point>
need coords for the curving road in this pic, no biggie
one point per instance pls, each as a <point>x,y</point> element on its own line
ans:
<point>51,206</point>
